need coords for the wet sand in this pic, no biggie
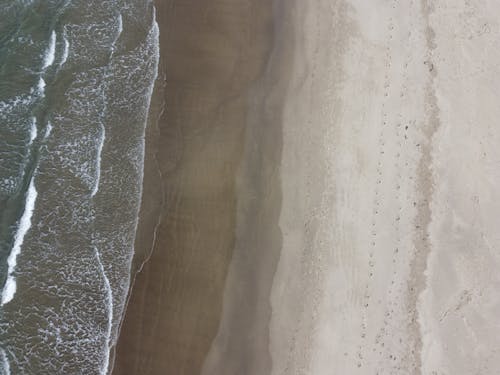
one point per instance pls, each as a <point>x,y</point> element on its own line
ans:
<point>331,203</point>
<point>212,56</point>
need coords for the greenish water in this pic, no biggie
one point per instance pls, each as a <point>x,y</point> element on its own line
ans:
<point>76,80</point>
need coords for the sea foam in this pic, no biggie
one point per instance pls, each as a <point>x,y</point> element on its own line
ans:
<point>65,51</point>
<point>98,161</point>
<point>33,130</point>
<point>50,53</point>
<point>109,296</point>
<point>120,27</point>
<point>75,342</point>
<point>103,130</point>
<point>24,226</point>
<point>48,130</point>
<point>5,362</point>
<point>41,86</point>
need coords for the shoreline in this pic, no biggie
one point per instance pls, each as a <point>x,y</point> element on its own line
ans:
<point>149,216</point>
<point>150,212</point>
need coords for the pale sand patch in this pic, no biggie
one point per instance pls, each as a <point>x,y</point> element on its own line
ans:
<point>460,307</point>
<point>340,298</point>
<point>389,126</point>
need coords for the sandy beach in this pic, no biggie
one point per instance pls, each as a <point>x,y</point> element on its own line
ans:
<point>211,56</point>
<point>328,173</point>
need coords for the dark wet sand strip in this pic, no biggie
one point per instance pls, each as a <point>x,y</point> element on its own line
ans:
<point>214,57</point>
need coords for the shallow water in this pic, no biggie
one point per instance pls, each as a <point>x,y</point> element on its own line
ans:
<point>76,79</point>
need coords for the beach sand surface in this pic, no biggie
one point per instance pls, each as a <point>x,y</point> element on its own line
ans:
<point>211,55</point>
<point>352,228</point>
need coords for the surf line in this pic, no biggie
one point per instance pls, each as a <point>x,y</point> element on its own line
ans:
<point>48,61</point>
<point>50,53</point>
<point>10,286</point>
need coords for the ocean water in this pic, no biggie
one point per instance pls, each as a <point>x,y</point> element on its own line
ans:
<point>76,79</point>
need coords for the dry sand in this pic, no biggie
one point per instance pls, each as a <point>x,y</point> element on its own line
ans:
<point>360,203</point>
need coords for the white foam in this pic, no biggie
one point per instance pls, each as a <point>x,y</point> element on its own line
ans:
<point>33,130</point>
<point>109,296</point>
<point>24,226</point>
<point>10,104</point>
<point>118,33</point>
<point>9,290</point>
<point>41,86</point>
<point>120,26</point>
<point>5,362</point>
<point>98,161</point>
<point>48,130</point>
<point>65,51</point>
<point>50,54</point>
